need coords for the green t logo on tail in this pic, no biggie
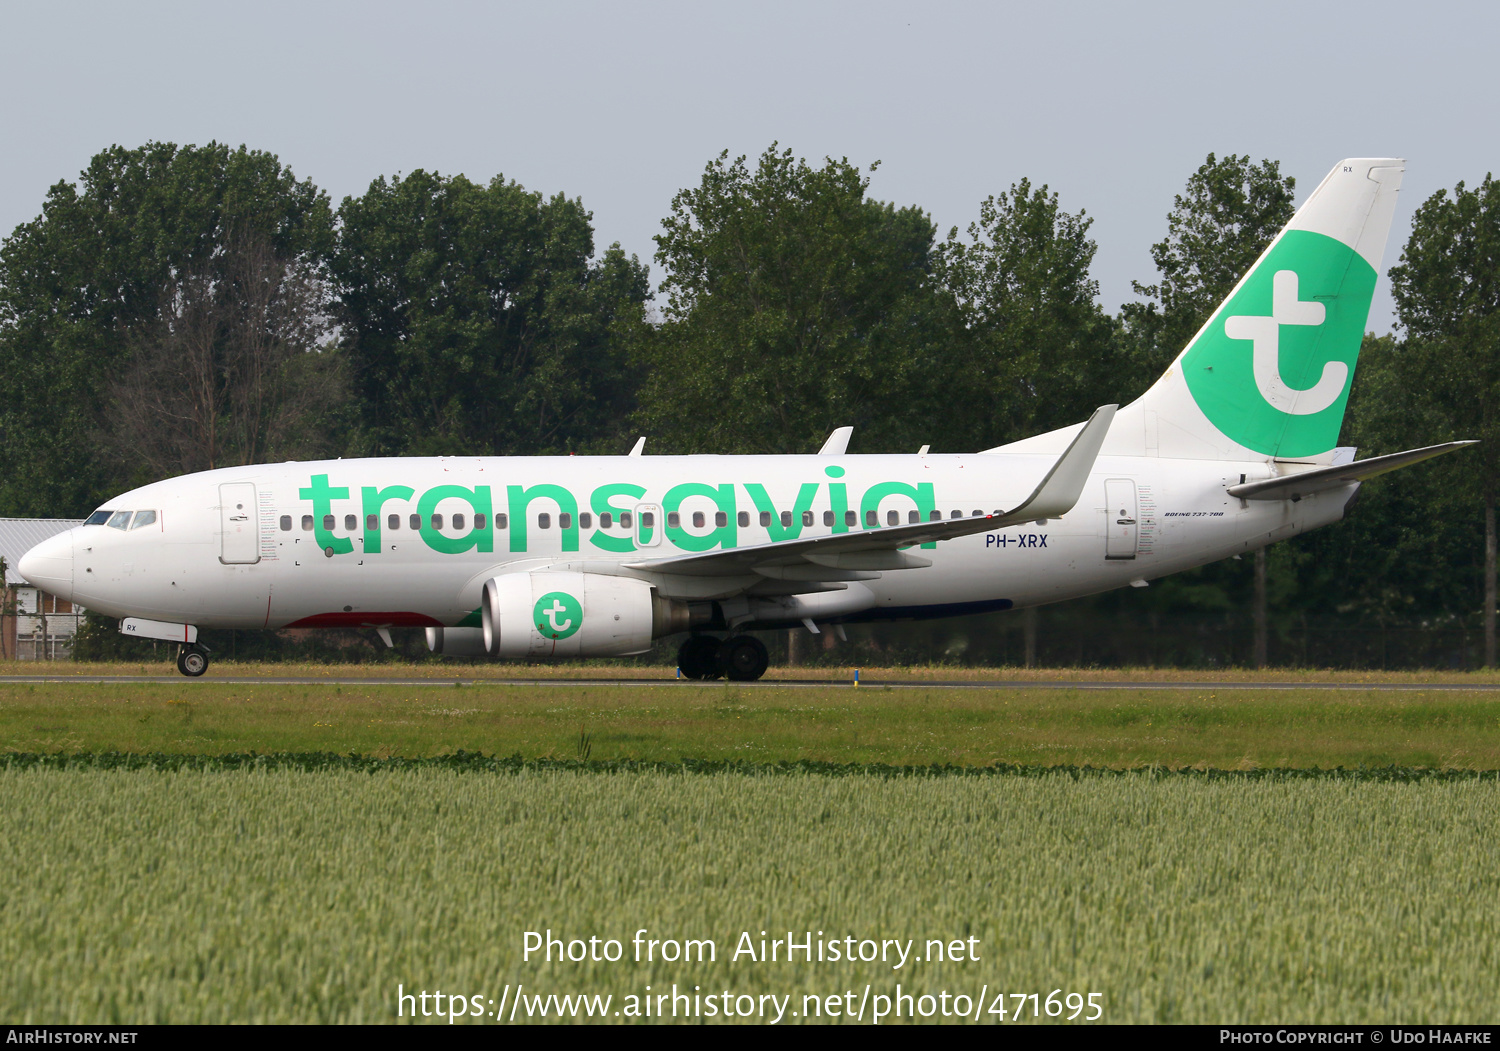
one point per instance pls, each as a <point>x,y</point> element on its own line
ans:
<point>557,615</point>
<point>1272,370</point>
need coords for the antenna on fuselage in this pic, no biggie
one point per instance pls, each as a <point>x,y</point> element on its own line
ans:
<point>639,447</point>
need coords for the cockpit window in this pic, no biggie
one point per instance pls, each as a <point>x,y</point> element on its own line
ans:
<point>119,520</point>
<point>98,518</point>
<point>143,518</point>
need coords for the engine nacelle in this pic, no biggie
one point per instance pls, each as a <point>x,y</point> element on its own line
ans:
<point>565,614</point>
<point>457,642</point>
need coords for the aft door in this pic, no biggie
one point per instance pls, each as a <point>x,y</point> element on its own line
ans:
<point>239,517</point>
<point>1122,534</point>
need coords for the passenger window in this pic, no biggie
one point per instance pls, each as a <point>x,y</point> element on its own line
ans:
<point>98,518</point>
<point>648,520</point>
<point>119,520</point>
<point>913,517</point>
<point>893,518</point>
<point>870,521</point>
<point>286,523</point>
<point>807,518</point>
<point>479,522</point>
<point>544,521</point>
<point>328,522</point>
<point>786,519</point>
<point>626,518</point>
<point>978,514</point>
<point>307,522</point>
<point>415,521</point>
<point>828,518</point>
<point>850,518</point>
<point>720,518</point>
<point>765,518</point>
<point>393,522</point>
<point>437,521</point>
<point>697,519</point>
<point>674,520</point>
<point>956,514</point>
<point>934,516</point>
<point>501,521</point>
<point>606,521</point>
<point>372,523</point>
<point>458,521</point>
<point>145,518</point>
<point>564,521</point>
<point>351,523</point>
<point>585,520</point>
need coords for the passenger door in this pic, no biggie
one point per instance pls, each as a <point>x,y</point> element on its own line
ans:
<point>1121,531</point>
<point>239,517</point>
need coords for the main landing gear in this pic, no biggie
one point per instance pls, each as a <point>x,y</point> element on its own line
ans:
<point>192,660</point>
<point>742,658</point>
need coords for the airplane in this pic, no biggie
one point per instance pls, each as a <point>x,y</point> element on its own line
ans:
<point>1232,449</point>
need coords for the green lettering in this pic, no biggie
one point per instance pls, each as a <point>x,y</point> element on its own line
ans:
<point>520,499</point>
<point>478,498</point>
<point>723,498</point>
<point>322,497</point>
<point>920,494</point>
<point>374,501</point>
<point>777,531</point>
<point>599,501</point>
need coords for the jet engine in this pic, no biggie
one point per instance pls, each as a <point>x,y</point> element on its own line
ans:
<point>565,614</point>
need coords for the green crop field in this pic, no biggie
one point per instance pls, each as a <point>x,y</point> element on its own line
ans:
<point>265,895</point>
<point>168,857</point>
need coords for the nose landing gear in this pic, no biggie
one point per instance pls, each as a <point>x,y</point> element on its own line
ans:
<point>192,660</point>
<point>742,658</point>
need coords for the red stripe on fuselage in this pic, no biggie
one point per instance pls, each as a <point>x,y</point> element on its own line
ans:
<point>361,620</point>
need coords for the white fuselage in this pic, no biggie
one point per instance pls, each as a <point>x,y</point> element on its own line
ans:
<point>251,547</point>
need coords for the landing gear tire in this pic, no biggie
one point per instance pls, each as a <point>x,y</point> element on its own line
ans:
<point>743,658</point>
<point>192,661</point>
<point>698,657</point>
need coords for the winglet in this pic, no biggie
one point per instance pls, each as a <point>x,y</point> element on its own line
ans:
<point>837,443</point>
<point>1062,487</point>
<point>639,447</point>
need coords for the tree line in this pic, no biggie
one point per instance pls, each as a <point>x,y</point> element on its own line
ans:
<point>184,308</point>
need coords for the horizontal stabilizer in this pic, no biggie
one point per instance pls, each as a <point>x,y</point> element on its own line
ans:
<point>1296,486</point>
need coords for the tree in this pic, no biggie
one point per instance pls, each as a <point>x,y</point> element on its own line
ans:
<point>1447,292</point>
<point>232,369</point>
<point>1230,213</point>
<point>1042,346</point>
<point>476,322</point>
<point>796,305</point>
<point>76,282</point>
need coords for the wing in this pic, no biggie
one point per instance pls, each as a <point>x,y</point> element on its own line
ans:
<point>1305,483</point>
<point>864,554</point>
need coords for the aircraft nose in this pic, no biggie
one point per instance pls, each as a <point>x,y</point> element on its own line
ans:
<point>49,565</point>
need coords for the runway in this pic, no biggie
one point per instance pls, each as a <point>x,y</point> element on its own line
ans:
<point>797,684</point>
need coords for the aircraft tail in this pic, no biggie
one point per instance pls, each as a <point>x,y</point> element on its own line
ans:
<point>1269,374</point>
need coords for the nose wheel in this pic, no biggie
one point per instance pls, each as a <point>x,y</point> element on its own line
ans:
<point>192,660</point>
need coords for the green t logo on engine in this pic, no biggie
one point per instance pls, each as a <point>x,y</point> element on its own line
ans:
<point>557,615</point>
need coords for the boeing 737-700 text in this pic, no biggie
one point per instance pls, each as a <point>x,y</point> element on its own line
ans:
<point>1233,448</point>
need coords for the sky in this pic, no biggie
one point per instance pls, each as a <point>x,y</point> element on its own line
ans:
<point>622,104</point>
